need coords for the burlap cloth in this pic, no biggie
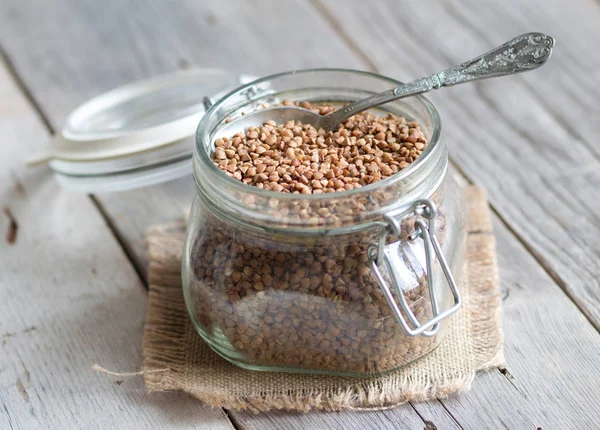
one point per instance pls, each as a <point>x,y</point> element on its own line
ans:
<point>176,358</point>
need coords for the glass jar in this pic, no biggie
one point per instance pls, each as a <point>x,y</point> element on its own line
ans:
<point>348,283</point>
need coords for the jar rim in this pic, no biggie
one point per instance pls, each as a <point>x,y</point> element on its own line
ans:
<point>201,154</point>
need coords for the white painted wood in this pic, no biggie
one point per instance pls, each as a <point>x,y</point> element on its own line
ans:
<point>553,355</point>
<point>504,156</point>
<point>569,94</point>
<point>399,418</point>
<point>132,212</point>
<point>531,139</point>
<point>552,351</point>
<point>69,298</point>
<point>69,51</point>
<point>402,417</point>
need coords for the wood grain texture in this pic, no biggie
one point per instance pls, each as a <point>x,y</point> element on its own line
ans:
<point>531,139</point>
<point>62,69</point>
<point>403,418</point>
<point>69,298</point>
<point>551,380</point>
<point>132,212</point>
<point>552,351</point>
<point>69,51</point>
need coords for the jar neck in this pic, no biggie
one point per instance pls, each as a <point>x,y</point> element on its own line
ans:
<point>330,213</point>
<point>258,209</point>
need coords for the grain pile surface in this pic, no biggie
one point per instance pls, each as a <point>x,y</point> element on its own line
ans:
<point>297,158</point>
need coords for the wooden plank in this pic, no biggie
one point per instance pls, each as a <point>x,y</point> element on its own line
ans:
<point>164,44</point>
<point>570,96</point>
<point>513,135</point>
<point>140,59</point>
<point>553,363</point>
<point>505,160</point>
<point>402,417</point>
<point>70,298</point>
<point>135,39</point>
<point>69,51</point>
<point>131,213</point>
<point>552,351</point>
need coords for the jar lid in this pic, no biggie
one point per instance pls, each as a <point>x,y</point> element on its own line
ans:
<point>136,135</point>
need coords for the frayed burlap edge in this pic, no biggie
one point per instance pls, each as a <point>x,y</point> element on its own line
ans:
<point>175,358</point>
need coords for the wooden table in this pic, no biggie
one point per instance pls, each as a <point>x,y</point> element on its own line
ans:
<point>72,266</point>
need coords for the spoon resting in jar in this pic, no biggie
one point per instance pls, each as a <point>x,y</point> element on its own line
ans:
<point>523,53</point>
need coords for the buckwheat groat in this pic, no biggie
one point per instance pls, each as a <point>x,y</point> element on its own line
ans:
<point>309,302</point>
<point>297,158</point>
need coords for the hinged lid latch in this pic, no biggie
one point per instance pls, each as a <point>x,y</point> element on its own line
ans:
<point>425,212</point>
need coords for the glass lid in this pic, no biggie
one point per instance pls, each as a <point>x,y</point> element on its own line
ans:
<point>148,104</point>
<point>135,135</point>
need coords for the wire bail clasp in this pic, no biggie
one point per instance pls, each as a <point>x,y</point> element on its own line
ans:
<point>425,212</point>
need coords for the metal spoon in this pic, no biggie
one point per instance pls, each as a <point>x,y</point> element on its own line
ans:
<point>526,52</point>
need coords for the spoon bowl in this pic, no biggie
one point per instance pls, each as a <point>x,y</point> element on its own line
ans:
<point>279,114</point>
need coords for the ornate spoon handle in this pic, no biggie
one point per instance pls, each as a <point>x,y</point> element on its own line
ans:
<point>526,52</point>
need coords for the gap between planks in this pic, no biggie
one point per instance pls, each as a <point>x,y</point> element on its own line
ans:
<point>103,213</point>
<point>371,66</point>
<point>12,71</point>
<point>111,226</point>
<point>363,56</point>
<point>365,59</point>
<point>120,240</point>
<point>22,383</point>
<point>564,124</point>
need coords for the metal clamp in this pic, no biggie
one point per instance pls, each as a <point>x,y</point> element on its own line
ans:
<point>425,211</point>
